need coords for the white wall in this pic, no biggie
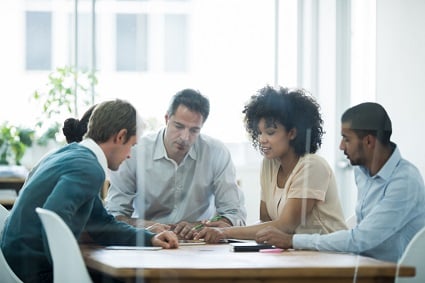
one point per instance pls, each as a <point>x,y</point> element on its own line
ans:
<point>247,161</point>
<point>400,73</point>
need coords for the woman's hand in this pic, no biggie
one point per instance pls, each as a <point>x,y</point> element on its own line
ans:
<point>272,235</point>
<point>218,223</point>
<point>210,234</point>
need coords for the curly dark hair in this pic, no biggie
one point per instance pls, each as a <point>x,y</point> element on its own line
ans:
<point>292,108</point>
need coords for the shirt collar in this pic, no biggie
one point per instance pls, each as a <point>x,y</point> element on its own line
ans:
<point>160,152</point>
<point>389,166</point>
<point>98,152</point>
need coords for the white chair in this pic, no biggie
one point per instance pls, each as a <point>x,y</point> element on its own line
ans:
<point>6,273</point>
<point>414,256</point>
<point>351,221</point>
<point>68,263</point>
<point>4,213</point>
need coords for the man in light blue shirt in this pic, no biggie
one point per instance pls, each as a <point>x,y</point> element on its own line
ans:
<point>178,177</point>
<point>390,208</point>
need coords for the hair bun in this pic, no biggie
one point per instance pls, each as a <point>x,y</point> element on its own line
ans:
<point>71,131</point>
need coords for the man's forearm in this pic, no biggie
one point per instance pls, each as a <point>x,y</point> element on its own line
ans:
<point>136,222</point>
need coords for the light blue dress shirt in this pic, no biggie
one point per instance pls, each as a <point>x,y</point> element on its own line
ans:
<point>390,210</point>
<point>154,187</point>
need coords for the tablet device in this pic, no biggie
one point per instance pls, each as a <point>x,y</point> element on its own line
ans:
<point>138,248</point>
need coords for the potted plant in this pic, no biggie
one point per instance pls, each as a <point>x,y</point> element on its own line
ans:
<point>66,90</point>
<point>14,141</point>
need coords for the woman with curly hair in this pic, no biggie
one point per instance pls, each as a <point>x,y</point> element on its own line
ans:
<point>298,187</point>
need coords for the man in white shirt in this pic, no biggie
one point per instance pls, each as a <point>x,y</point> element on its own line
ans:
<point>177,177</point>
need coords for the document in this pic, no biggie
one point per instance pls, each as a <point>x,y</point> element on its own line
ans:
<point>191,242</point>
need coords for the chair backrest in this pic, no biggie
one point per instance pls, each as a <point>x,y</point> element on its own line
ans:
<point>414,256</point>
<point>4,213</point>
<point>68,263</point>
<point>6,273</point>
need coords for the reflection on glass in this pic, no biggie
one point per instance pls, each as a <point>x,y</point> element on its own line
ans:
<point>131,35</point>
<point>38,37</point>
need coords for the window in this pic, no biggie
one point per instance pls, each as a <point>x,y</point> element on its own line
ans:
<point>175,43</point>
<point>84,37</point>
<point>131,42</point>
<point>38,43</point>
<point>226,49</point>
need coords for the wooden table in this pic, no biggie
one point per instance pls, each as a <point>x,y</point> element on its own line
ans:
<point>9,189</point>
<point>12,183</point>
<point>217,264</point>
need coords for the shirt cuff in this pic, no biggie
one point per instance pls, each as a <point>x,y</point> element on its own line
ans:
<point>303,241</point>
<point>236,221</point>
<point>148,235</point>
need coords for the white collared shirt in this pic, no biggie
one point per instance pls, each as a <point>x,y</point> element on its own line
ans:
<point>151,186</point>
<point>100,155</point>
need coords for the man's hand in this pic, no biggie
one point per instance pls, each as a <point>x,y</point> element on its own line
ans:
<point>184,230</point>
<point>166,240</point>
<point>274,236</point>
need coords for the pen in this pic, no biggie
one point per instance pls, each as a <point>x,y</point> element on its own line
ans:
<point>201,225</point>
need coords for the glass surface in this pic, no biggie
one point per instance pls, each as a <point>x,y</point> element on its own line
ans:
<point>38,37</point>
<point>146,51</point>
<point>131,35</point>
<point>175,43</point>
